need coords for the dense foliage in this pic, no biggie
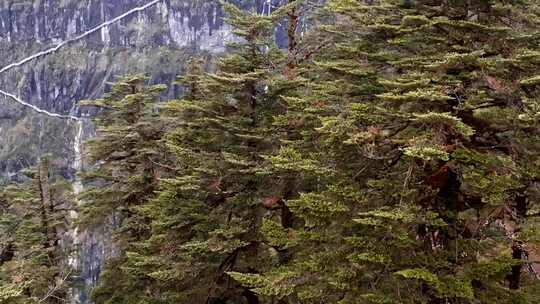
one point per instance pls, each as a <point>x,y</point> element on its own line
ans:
<point>36,249</point>
<point>390,155</point>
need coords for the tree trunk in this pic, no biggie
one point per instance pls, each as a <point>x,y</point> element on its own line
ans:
<point>250,296</point>
<point>51,237</point>
<point>515,274</point>
<point>46,204</point>
<point>517,247</point>
<point>7,253</point>
<point>291,37</point>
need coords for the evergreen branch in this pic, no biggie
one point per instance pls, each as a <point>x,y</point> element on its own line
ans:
<point>163,165</point>
<point>309,52</point>
<point>55,288</point>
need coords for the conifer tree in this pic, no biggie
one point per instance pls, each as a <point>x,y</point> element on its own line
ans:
<point>127,163</point>
<point>424,167</point>
<point>298,170</point>
<point>35,248</point>
<point>207,219</point>
<point>398,166</point>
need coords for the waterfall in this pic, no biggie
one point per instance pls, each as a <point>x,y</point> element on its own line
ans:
<point>77,189</point>
<point>267,7</point>
<point>36,109</point>
<point>74,258</point>
<point>89,247</point>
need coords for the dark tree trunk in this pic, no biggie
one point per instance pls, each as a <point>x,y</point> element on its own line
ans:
<point>518,252</point>
<point>291,35</point>
<point>286,217</point>
<point>46,204</point>
<point>51,237</point>
<point>514,277</point>
<point>250,297</point>
<point>7,253</point>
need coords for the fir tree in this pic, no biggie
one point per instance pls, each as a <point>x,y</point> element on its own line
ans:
<point>35,249</point>
<point>424,168</point>
<point>207,219</point>
<point>400,165</point>
<point>127,163</point>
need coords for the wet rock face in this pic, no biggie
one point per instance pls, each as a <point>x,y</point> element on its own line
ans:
<point>170,22</point>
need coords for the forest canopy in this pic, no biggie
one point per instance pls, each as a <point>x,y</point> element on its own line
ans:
<point>391,154</point>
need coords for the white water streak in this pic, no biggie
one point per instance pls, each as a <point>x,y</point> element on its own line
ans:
<point>77,189</point>
<point>59,46</point>
<point>31,106</point>
<point>79,37</point>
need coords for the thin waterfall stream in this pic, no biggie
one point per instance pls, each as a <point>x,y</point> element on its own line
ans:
<point>74,259</point>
